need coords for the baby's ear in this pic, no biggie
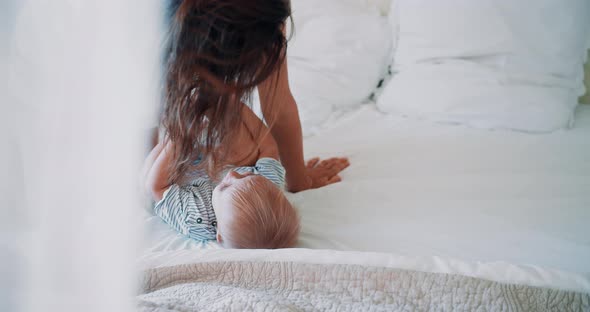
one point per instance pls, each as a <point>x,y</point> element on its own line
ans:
<point>219,238</point>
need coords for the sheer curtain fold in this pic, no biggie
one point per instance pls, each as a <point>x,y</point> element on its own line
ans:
<point>82,87</point>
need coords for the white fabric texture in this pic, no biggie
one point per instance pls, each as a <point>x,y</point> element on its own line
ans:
<point>498,271</point>
<point>502,205</point>
<point>83,78</point>
<point>291,286</point>
<point>336,58</point>
<point>489,63</point>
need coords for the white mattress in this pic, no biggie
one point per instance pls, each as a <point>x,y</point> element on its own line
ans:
<point>506,206</point>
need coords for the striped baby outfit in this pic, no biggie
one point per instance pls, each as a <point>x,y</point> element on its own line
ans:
<point>189,210</point>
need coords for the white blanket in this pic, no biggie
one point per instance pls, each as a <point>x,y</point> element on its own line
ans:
<point>288,286</point>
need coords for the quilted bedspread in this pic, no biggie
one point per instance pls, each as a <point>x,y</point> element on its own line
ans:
<point>287,286</point>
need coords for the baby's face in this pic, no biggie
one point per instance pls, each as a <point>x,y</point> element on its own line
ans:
<point>222,198</point>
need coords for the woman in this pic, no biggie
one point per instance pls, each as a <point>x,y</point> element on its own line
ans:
<point>218,53</point>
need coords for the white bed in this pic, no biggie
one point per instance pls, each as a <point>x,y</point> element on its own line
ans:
<point>506,206</point>
<point>510,207</point>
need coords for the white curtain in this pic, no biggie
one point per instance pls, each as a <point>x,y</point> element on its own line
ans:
<point>80,85</point>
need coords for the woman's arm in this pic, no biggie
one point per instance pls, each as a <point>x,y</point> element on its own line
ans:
<point>280,111</point>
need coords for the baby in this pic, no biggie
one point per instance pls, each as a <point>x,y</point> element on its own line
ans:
<point>246,209</point>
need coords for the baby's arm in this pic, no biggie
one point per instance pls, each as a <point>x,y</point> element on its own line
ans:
<point>182,204</point>
<point>157,166</point>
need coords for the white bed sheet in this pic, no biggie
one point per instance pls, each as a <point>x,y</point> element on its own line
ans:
<point>506,206</point>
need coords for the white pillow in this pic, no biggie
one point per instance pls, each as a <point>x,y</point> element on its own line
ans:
<point>336,58</point>
<point>489,63</point>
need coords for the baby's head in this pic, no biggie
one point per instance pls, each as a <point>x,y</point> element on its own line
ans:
<point>253,213</point>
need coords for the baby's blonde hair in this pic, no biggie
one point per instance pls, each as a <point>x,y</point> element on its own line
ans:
<point>263,218</point>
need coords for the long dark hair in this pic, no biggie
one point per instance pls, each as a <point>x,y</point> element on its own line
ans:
<point>217,52</point>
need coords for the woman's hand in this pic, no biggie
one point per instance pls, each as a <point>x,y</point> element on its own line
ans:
<point>325,172</point>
